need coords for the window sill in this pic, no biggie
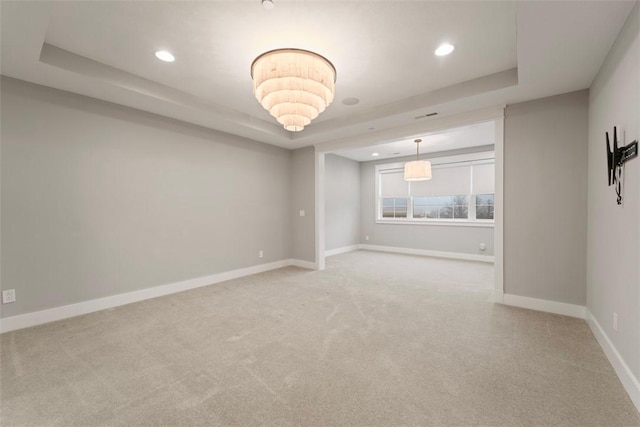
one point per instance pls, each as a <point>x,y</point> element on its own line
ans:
<point>454,223</point>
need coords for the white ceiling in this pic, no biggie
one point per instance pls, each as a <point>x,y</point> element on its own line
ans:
<point>475,135</point>
<point>383,51</point>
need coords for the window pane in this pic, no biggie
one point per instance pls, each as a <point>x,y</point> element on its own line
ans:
<point>435,207</point>
<point>484,212</point>
<point>461,211</point>
<point>446,211</point>
<point>484,199</point>
<point>402,202</point>
<point>431,212</point>
<point>432,201</point>
<point>484,206</point>
<point>445,200</point>
<point>419,201</point>
<point>461,200</point>
<point>394,207</point>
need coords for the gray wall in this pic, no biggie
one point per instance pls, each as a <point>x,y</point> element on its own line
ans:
<point>99,199</point>
<point>545,198</point>
<point>613,273</point>
<point>444,238</point>
<point>342,202</point>
<point>303,198</point>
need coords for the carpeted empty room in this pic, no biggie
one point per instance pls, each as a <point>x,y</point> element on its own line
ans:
<point>375,339</point>
<point>368,213</point>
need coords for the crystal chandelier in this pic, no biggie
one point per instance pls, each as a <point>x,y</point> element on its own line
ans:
<point>294,85</point>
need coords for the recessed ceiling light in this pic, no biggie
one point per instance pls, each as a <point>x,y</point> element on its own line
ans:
<point>165,56</point>
<point>444,49</point>
<point>268,4</point>
<point>350,101</point>
<point>375,154</point>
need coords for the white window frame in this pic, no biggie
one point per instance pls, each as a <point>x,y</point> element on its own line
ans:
<point>469,159</point>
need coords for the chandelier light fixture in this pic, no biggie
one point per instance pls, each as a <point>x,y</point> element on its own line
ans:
<point>293,85</point>
<point>417,170</point>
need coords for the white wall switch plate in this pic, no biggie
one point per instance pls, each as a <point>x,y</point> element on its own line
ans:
<point>301,212</point>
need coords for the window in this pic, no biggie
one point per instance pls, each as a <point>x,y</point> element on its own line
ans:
<point>484,206</point>
<point>394,208</point>
<point>461,190</point>
<point>394,194</point>
<point>442,207</point>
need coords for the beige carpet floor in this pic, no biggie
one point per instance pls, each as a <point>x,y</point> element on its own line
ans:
<point>375,340</point>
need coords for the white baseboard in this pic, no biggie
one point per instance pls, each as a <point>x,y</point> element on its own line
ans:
<point>626,376</point>
<point>496,296</point>
<point>303,264</point>
<point>341,250</point>
<point>425,252</point>
<point>628,380</point>
<point>58,313</point>
<point>548,306</point>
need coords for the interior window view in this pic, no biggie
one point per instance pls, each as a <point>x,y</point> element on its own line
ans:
<point>309,213</point>
<point>457,190</point>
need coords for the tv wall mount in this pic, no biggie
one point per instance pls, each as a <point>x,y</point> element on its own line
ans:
<point>616,159</point>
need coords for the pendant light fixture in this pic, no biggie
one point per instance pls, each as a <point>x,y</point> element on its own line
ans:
<point>417,170</point>
<point>294,85</point>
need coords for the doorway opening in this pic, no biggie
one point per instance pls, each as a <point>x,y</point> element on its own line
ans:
<point>362,202</point>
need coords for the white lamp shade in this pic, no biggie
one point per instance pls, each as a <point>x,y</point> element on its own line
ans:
<point>294,85</point>
<point>418,170</point>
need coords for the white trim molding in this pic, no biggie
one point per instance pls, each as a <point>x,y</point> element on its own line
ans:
<point>498,208</point>
<point>425,252</point>
<point>59,313</point>
<point>319,187</point>
<point>418,129</point>
<point>548,306</point>
<point>309,265</point>
<point>629,381</point>
<point>496,296</point>
<point>627,378</point>
<point>439,222</point>
<point>341,250</point>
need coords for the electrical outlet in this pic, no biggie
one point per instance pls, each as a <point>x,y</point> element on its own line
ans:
<point>302,212</point>
<point>615,322</point>
<point>260,254</point>
<point>366,237</point>
<point>8,296</point>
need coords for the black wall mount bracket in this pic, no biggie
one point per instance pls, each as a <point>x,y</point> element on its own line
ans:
<point>616,159</point>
